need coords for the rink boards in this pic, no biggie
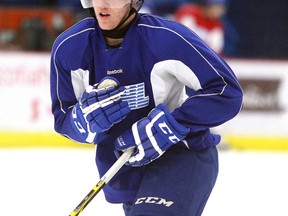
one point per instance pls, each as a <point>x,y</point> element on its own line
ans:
<point>26,119</point>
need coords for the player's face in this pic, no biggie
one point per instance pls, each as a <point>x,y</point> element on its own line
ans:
<point>109,13</point>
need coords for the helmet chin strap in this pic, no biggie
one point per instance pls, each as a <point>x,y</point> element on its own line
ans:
<point>119,31</point>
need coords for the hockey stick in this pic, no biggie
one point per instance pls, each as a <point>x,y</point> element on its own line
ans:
<point>103,181</point>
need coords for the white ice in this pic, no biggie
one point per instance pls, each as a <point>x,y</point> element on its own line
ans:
<point>52,182</point>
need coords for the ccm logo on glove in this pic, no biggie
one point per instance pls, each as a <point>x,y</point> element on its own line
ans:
<point>151,136</point>
<point>166,130</point>
<point>121,142</point>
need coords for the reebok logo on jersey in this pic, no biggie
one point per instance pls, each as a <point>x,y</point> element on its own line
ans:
<point>135,96</point>
<point>154,200</point>
<point>118,71</point>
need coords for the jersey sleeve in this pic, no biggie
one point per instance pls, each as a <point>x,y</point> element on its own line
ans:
<point>62,95</point>
<point>199,87</point>
<point>69,76</point>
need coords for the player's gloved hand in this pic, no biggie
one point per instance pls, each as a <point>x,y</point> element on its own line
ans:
<point>151,136</point>
<point>99,108</point>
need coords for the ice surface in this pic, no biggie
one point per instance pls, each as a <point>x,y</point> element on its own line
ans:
<point>52,182</point>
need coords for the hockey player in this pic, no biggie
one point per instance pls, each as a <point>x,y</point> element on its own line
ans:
<point>121,79</point>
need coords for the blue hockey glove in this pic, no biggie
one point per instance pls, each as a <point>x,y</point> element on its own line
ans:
<point>151,136</point>
<point>99,109</point>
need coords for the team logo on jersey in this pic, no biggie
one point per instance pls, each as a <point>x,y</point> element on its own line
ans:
<point>135,96</point>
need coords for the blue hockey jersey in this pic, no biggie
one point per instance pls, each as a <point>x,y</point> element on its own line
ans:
<point>159,61</point>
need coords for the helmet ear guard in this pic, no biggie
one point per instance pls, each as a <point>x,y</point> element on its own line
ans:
<point>87,3</point>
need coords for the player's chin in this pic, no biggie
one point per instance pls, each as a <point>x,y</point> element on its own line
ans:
<point>105,26</point>
<point>105,23</point>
